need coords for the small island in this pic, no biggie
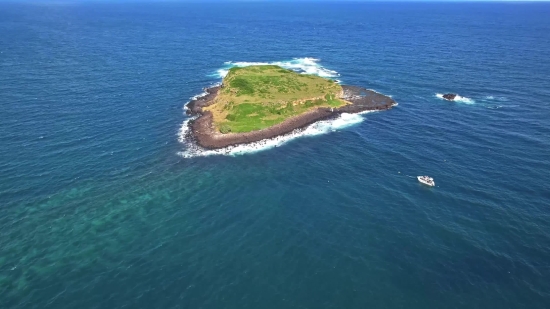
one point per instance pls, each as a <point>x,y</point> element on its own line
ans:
<point>264,101</point>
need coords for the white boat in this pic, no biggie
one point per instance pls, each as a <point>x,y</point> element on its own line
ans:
<point>429,181</point>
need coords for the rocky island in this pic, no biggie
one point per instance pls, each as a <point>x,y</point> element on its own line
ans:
<point>264,101</point>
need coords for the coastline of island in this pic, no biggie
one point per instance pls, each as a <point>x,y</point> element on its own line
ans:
<point>203,132</point>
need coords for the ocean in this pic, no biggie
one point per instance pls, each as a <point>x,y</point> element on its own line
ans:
<point>103,204</point>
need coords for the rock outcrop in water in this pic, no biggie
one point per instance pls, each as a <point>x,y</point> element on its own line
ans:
<point>449,96</point>
<point>204,133</point>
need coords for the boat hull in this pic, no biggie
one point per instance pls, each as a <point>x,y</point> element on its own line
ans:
<point>426,182</point>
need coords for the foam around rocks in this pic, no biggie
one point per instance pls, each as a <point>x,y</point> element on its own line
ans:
<point>300,65</point>
<point>321,127</point>
<point>457,99</point>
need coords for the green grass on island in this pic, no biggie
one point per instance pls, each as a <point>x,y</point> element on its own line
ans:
<point>257,97</point>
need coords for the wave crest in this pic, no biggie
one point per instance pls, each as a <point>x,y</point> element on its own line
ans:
<point>301,65</point>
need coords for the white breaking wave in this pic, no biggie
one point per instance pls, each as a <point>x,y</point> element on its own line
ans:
<point>221,73</point>
<point>493,98</point>
<point>321,127</point>
<point>464,100</point>
<point>198,96</point>
<point>302,65</point>
<point>184,130</point>
<point>457,99</point>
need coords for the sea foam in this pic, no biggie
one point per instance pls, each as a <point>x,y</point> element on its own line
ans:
<point>321,127</point>
<point>198,96</point>
<point>495,98</point>
<point>301,65</point>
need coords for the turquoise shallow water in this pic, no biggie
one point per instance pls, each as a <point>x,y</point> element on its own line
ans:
<point>100,210</point>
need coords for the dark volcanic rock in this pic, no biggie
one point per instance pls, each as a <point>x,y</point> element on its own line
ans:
<point>364,100</point>
<point>195,106</point>
<point>204,133</point>
<point>449,96</point>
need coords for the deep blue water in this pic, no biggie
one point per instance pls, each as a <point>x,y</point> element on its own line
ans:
<point>98,209</point>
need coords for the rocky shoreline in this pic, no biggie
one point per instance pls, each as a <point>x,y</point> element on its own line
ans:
<point>203,132</point>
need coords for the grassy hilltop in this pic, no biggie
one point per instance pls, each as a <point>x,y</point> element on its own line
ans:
<point>257,97</point>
